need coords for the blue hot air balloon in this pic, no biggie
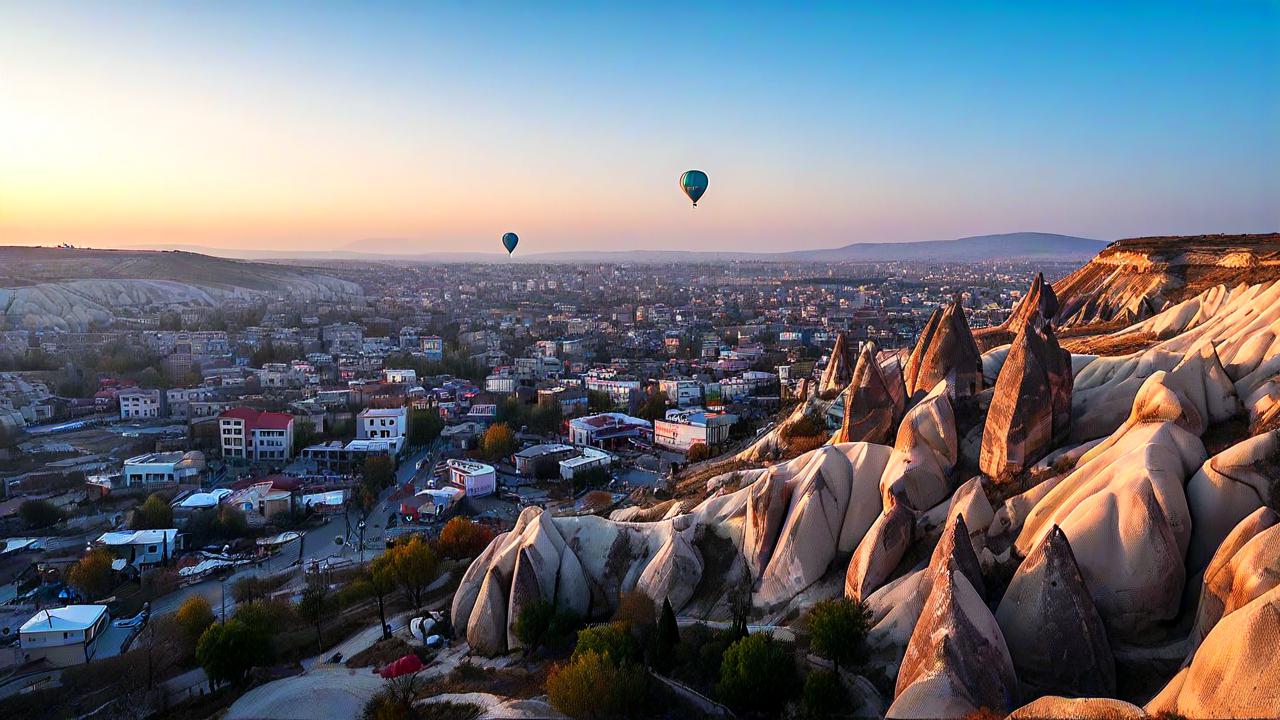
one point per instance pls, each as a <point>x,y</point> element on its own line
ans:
<point>694,183</point>
<point>509,241</point>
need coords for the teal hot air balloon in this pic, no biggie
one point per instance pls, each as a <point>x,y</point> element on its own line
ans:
<point>694,183</point>
<point>509,242</point>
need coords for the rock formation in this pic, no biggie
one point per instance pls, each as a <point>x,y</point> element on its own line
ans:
<point>1246,565</point>
<point>945,352</point>
<point>839,370</point>
<point>1031,407</point>
<point>956,661</point>
<point>1054,633</point>
<point>1227,488</point>
<point>1052,707</point>
<point>872,408</point>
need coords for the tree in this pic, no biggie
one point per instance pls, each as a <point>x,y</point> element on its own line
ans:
<point>698,452</point>
<point>839,630</point>
<point>91,574</point>
<point>378,472</point>
<point>532,624</point>
<point>383,581</point>
<point>598,401</point>
<point>654,407</point>
<point>668,637</point>
<point>613,640</point>
<point>462,537</point>
<point>227,651</point>
<point>194,616</point>
<point>313,607</point>
<point>424,426</point>
<point>498,441</point>
<point>413,566</point>
<point>593,685</point>
<point>154,514</point>
<point>40,513</point>
<point>823,695</point>
<point>746,664</point>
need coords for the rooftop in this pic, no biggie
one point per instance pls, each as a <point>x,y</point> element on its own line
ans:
<point>65,619</point>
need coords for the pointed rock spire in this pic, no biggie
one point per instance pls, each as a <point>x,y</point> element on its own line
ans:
<point>1037,307</point>
<point>872,410</point>
<point>839,370</point>
<point>946,352</point>
<point>1019,426</point>
<point>1052,628</point>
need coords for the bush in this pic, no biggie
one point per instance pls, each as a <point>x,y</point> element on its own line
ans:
<point>698,453</point>
<point>592,685</point>
<point>228,651</point>
<point>463,538</point>
<point>636,610</point>
<point>270,616</point>
<point>813,423</point>
<point>613,640</point>
<point>194,616</point>
<point>498,442</point>
<point>92,574</point>
<point>839,631</point>
<point>154,514</point>
<point>39,513</point>
<point>743,672</point>
<point>539,625</point>
<point>823,695</point>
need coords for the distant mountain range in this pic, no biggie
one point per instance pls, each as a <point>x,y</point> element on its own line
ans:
<point>1007,246</point>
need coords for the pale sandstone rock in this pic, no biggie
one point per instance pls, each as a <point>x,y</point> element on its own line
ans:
<point>872,410</point>
<point>1227,488</point>
<point>925,453</point>
<point>673,573</point>
<point>839,370</point>
<point>1020,424</point>
<point>945,352</point>
<point>1052,707</point>
<point>1246,565</point>
<point>880,551</point>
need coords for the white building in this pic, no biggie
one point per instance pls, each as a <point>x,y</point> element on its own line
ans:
<point>682,429</point>
<point>407,376</point>
<point>682,392</point>
<point>139,404</point>
<point>140,547</point>
<point>63,636</point>
<point>618,390</point>
<point>170,468</point>
<point>590,458</point>
<point>255,435</point>
<point>387,424</point>
<point>476,479</point>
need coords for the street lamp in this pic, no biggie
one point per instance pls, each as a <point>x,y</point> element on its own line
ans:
<point>360,527</point>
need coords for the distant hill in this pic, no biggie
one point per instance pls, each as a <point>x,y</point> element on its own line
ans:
<point>1032,245</point>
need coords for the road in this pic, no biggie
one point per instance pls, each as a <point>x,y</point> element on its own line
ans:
<point>317,544</point>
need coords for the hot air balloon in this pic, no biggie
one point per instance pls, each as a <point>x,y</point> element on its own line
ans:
<point>694,183</point>
<point>509,241</point>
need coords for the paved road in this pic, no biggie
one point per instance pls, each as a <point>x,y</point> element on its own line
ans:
<point>317,544</point>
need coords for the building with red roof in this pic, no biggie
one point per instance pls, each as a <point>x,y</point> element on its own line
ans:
<point>256,435</point>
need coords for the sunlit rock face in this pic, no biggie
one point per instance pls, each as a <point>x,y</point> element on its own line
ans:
<point>872,408</point>
<point>956,661</point>
<point>1235,673</point>
<point>880,550</point>
<point>1054,633</point>
<point>1125,514</point>
<point>1053,707</point>
<point>1227,488</point>
<point>1246,565</point>
<point>945,352</point>
<point>924,454</point>
<point>839,370</point>
<point>1031,406</point>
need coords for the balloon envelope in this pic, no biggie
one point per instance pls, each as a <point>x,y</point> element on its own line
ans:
<point>509,242</point>
<point>694,183</point>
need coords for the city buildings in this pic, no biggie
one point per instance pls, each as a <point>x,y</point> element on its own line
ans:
<point>256,436</point>
<point>163,469</point>
<point>609,430</point>
<point>682,429</point>
<point>475,478</point>
<point>63,636</point>
<point>139,404</point>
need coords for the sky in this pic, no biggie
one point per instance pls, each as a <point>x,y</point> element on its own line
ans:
<point>438,126</point>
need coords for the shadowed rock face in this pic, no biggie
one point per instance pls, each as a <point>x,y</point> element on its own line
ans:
<point>945,352</point>
<point>1019,427</point>
<point>956,661</point>
<point>1227,488</point>
<point>872,409</point>
<point>1246,565</point>
<point>1054,633</point>
<point>839,370</point>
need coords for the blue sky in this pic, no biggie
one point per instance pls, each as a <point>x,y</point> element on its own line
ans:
<point>446,124</point>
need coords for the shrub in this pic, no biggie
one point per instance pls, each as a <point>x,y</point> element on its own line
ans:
<point>228,651</point>
<point>823,695</point>
<point>592,685</point>
<point>839,630</point>
<point>463,538</point>
<point>92,574</point>
<point>613,640</point>
<point>698,453</point>
<point>636,609</point>
<point>39,513</point>
<point>194,617</point>
<point>154,514</point>
<point>744,668</point>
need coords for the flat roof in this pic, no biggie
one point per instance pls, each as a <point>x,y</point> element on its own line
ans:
<point>64,619</point>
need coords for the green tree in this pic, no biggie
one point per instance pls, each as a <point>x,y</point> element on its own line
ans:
<point>668,637</point>
<point>532,624</point>
<point>839,631</point>
<point>154,514</point>
<point>613,640</point>
<point>194,616</point>
<point>742,670</point>
<point>424,426</point>
<point>39,513</point>
<point>823,695</point>
<point>92,574</point>
<point>379,472</point>
<point>227,651</point>
<point>314,608</point>
<point>599,401</point>
<point>654,407</point>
